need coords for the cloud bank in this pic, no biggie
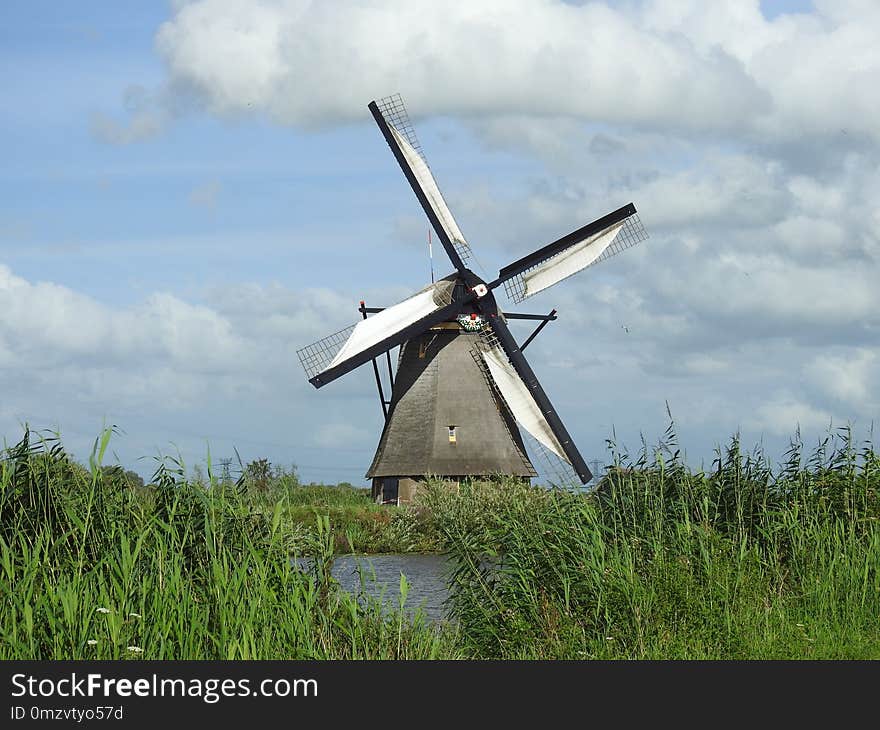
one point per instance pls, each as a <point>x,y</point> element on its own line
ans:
<point>749,146</point>
<point>684,67</point>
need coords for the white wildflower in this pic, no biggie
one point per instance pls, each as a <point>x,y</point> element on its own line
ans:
<point>91,642</point>
<point>101,609</point>
<point>135,649</point>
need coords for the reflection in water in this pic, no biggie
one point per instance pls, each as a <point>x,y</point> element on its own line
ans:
<point>426,575</point>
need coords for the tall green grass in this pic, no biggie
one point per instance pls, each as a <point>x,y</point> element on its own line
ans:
<point>359,525</point>
<point>739,561</point>
<point>93,568</point>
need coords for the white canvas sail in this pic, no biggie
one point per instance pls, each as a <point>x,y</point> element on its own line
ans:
<point>569,262</point>
<point>520,401</point>
<point>429,187</point>
<point>384,324</point>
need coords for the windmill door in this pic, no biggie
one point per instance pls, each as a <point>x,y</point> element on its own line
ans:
<point>389,489</point>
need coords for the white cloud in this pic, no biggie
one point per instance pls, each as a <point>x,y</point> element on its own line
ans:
<point>341,435</point>
<point>791,58</point>
<point>729,189</point>
<point>147,115</point>
<point>784,412</point>
<point>852,378</point>
<point>749,147</point>
<point>173,373</point>
<point>684,66</point>
<point>300,63</point>
<point>137,128</point>
<point>162,353</point>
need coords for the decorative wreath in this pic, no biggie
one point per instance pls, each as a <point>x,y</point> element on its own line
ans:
<point>470,322</point>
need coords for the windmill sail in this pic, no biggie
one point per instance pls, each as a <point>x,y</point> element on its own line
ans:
<point>464,399</point>
<point>337,354</point>
<point>595,242</point>
<point>519,400</point>
<point>513,377</point>
<point>432,192</point>
<point>569,262</point>
<point>391,116</point>
<point>372,330</point>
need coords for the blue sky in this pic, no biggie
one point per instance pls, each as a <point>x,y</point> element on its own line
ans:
<point>192,191</point>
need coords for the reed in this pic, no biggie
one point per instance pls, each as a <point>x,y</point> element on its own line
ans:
<point>740,561</point>
<point>92,568</point>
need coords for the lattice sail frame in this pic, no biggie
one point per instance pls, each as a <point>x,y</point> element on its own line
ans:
<point>631,233</point>
<point>315,358</point>
<point>559,473</point>
<point>394,112</point>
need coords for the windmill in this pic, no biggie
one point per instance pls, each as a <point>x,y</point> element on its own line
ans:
<point>463,389</point>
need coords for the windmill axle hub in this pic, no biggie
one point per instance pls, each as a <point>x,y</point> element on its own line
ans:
<point>457,401</point>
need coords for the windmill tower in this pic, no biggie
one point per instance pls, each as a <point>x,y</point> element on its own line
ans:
<point>463,389</point>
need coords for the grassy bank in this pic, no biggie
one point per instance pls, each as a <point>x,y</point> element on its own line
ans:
<point>357,523</point>
<point>660,561</point>
<point>741,561</point>
<point>93,567</point>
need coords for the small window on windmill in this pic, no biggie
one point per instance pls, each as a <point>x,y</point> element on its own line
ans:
<point>452,434</point>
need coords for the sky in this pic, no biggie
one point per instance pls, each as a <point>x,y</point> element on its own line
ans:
<point>191,191</point>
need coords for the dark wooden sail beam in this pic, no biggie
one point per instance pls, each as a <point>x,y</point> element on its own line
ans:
<point>558,246</point>
<point>363,310</point>
<point>416,186</point>
<point>537,331</point>
<point>527,375</point>
<point>508,315</point>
